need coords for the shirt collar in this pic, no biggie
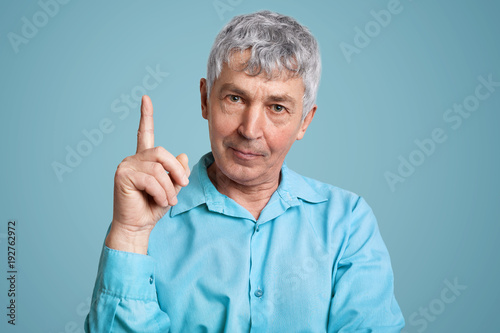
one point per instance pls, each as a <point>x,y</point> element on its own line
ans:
<point>200,191</point>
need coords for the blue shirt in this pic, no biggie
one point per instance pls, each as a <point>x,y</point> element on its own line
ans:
<point>314,261</point>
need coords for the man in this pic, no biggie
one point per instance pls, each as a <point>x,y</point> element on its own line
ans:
<point>247,244</point>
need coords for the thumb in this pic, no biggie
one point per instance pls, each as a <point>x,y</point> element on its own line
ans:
<point>183,159</point>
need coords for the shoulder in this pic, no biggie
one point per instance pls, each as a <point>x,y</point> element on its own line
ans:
<point>340,212</point>
<point>333,196</point>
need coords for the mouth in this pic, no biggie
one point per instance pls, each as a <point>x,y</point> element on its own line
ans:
<point>245,154</point>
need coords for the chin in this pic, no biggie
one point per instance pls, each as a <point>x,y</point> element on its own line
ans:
<point>237,172</point>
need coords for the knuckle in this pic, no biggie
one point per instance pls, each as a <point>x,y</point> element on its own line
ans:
<point>121,175</point>
<point>127,159</point>
<point>159,150</point>
<point>122,165</point>
<point>149,180</point>
<point>156,168</point>
<point>144,132</point>
<point>120,171</point>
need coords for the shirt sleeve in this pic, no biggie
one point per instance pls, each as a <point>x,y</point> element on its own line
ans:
<point>363,284</point>
<point>124,298</point>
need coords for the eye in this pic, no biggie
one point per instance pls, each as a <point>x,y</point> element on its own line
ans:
<point>234,98</point>
<point>278,108</point>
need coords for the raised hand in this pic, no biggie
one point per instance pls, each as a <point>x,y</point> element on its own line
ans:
<point>146,185</point>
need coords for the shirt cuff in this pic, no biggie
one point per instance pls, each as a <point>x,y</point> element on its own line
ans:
<point>127,275</point>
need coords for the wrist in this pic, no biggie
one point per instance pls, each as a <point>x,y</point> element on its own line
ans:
<point>121,239</point>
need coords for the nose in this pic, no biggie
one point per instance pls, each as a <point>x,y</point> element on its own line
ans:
<point>252,122</point>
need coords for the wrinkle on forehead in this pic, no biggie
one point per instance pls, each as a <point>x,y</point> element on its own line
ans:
<point>238,61</point>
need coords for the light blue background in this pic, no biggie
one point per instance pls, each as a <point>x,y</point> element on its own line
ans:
<point>441,224</point>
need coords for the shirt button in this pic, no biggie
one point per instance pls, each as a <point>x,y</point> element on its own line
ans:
<point>257,228</point>
<point>258,292</point>
<point>151,279</point>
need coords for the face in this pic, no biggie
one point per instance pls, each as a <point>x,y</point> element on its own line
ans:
<point>253,122</point>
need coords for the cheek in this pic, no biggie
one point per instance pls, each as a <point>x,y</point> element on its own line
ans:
<point>281,140</point>
<point>221,125</point>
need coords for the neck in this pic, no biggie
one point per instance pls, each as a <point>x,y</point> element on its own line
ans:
<point>252,197</point>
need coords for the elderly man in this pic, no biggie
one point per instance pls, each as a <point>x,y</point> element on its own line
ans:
<point>245,244</point>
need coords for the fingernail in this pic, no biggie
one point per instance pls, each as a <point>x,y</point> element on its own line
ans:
<point>185,179</point>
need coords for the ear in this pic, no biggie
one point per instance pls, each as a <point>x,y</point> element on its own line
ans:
<point>203,96</point>
<point>305,123</point>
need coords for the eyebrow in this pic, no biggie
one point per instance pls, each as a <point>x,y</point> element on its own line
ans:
<point>274,98</point>
<point>233,88</point>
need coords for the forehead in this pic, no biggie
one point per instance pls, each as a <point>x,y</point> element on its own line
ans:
<point>283,81</point>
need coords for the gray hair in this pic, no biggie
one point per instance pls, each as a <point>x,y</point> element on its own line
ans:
<point>277,43</point>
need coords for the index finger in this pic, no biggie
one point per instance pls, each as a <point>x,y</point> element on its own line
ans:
<point>145,134</point>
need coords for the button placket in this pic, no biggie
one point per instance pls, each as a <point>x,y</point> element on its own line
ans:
<point>257,254</point>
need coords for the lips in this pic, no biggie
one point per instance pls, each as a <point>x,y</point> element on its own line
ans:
<point>245,154</point>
